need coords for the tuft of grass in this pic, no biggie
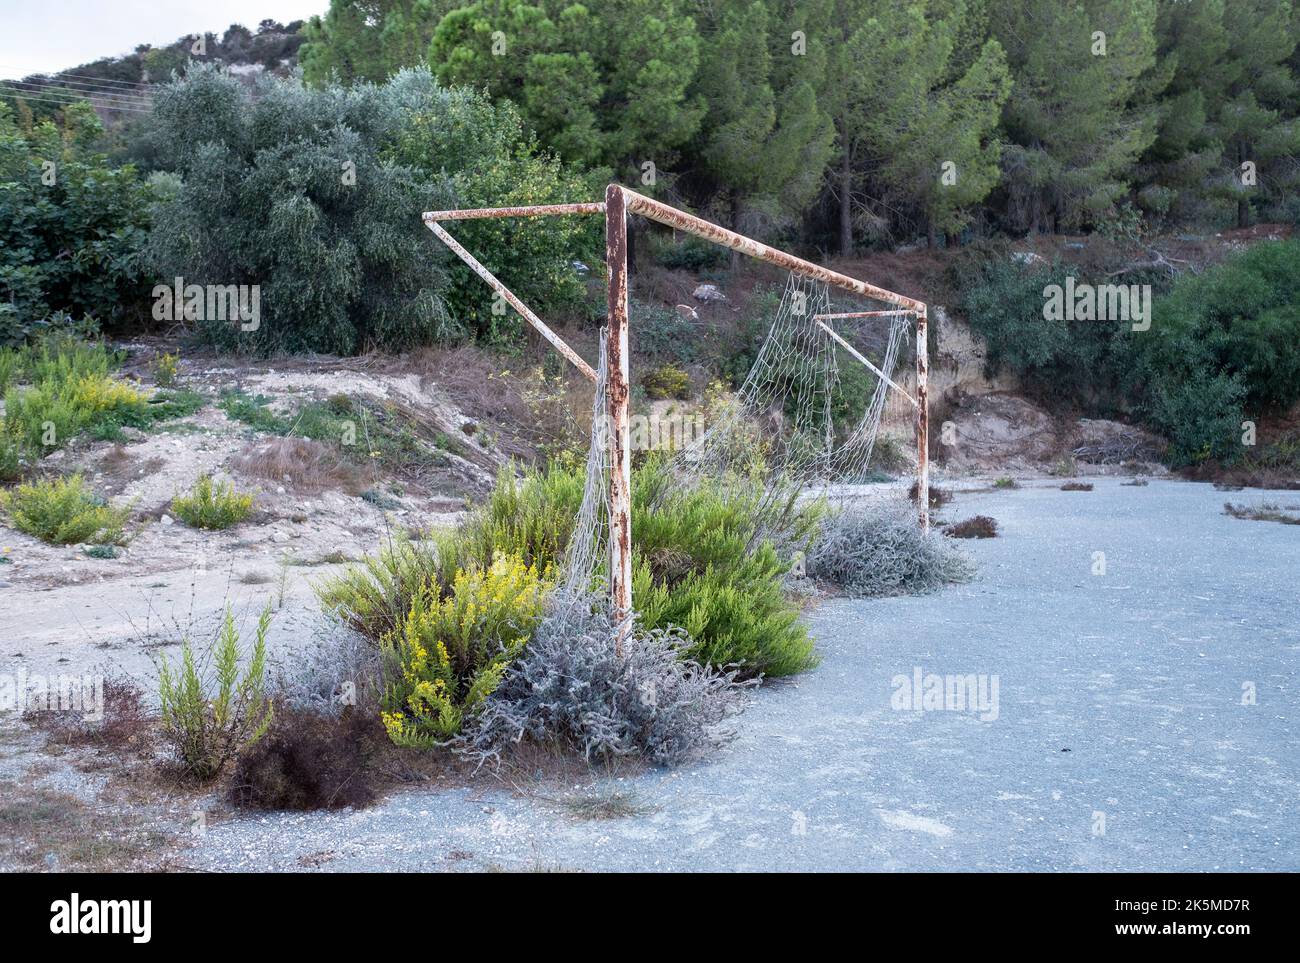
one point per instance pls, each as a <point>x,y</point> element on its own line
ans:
<point>1006,482</point>
<point>212,504</point>
<point>1263,512</point>
<point>253,411</point>
<point>65,511</point>
<point>308,466</point>
<point>980,526</point>
<point>1077,487</point>
<point>938,496</point>
<point>607,805</point>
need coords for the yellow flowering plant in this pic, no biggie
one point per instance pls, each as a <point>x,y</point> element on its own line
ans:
<point>451,651</point>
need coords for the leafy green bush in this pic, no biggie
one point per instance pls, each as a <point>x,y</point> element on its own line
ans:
<point>206,721</point>
<point>212,504</point>
<point>1061,363</point>
<point>450,653</point>
<point>71,226</point>
<point>64,511</point>
<point>341,258</point>
<point>1222,343</point>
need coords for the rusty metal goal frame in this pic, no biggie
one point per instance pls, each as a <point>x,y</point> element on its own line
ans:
<point>619,202</point>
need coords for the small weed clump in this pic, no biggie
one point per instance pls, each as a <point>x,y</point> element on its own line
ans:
<point>666,381</point>
<point>1077,487</point>
<point>165,367</point>
<point>1006,482</point>
<point>1263,512</point>
<point>308,761</point>
<point>209,721</point>
<point>212,504</point>
<point>938,496</point>
<point>122,722</point>
<point>980,526</point>
<point>64,511</point>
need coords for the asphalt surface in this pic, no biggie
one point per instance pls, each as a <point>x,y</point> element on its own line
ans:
<point>1123,735</point>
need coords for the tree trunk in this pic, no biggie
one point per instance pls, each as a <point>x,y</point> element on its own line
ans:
<point>846,205</point>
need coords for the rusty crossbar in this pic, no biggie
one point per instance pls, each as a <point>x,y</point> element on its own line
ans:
<point>864,314</point>
<point>539,210</point>
<point>672,217</point>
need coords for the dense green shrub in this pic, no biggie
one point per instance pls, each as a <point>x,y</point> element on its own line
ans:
<point>1061,363</point>
<point>71,227</point>
<point>375,595</point>
<point>1221,344</point>
<point>64,511</point>
<point>314,195</point>
<point>710,557</point>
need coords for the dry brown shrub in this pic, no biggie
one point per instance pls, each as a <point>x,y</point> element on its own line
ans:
<point>305,465</point>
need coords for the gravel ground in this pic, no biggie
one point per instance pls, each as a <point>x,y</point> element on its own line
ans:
<point>1120,739</point>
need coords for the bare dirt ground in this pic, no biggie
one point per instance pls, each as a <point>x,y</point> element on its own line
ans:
<point>1142,723</point>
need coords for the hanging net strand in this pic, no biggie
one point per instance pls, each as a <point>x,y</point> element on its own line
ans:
<point>790,420</point>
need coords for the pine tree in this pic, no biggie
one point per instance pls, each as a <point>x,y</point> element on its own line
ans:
<point>766,140</point>
<point>368,39</point>
<point>916,108</point>
<point>604,84</point>
<point>1079,115</point>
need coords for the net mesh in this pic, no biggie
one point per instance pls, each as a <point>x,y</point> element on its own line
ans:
<point>796,417</point>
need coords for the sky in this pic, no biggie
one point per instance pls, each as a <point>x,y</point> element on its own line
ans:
<point>43,36</point>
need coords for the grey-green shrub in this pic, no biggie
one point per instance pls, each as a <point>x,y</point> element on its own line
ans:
<point>315,196</point>
<point>573,686</point>
<point>875,550</point>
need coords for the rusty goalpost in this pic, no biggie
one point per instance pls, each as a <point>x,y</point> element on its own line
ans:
<point>619,202</point>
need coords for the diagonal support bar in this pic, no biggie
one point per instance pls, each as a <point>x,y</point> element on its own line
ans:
<point>854,351</point>
<point>556,341</point>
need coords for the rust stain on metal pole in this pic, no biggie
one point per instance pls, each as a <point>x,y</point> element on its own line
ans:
<point>923,419</point>
<point>514,301</point>
<point>620,468</point>
<point>540,210</point>
<point>671,216</point>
